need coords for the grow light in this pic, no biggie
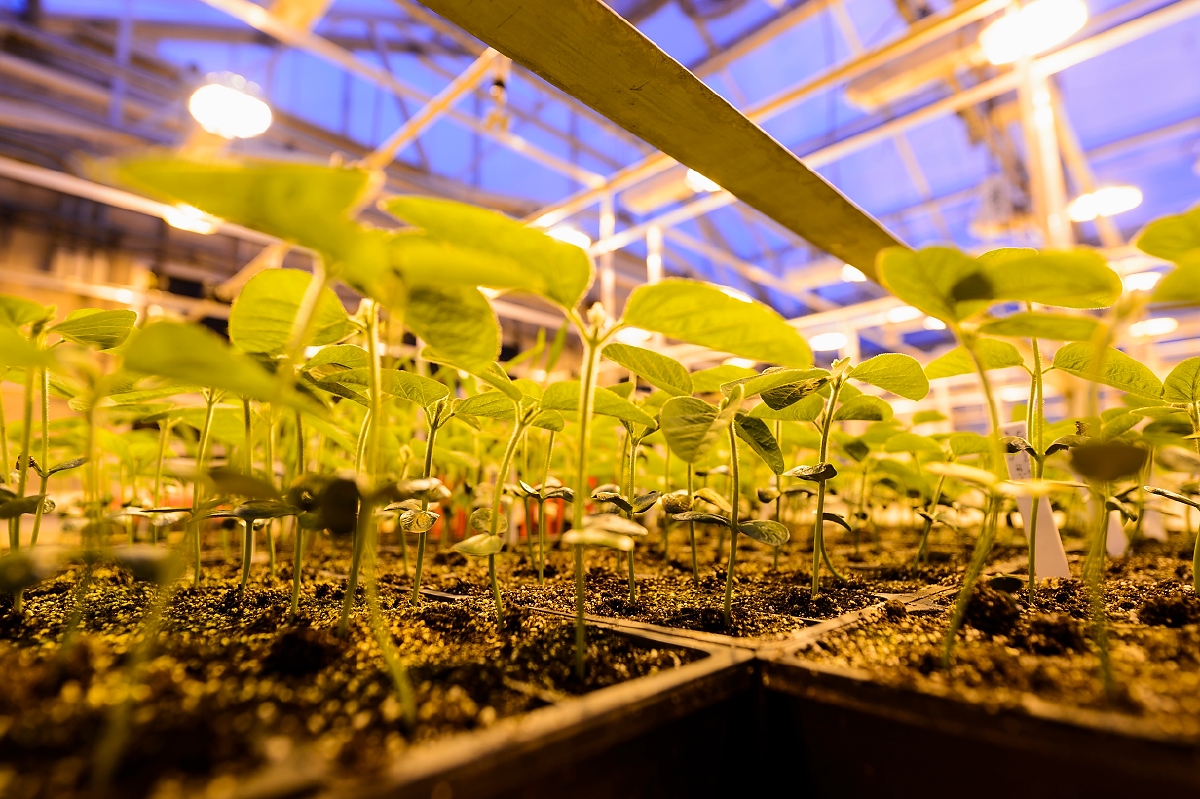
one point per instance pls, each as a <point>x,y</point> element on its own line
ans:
<point>570,235</point>
<point>229,106</point>
<point>852,274</point>
<point>1141,281</point>
<point>934,324</point>
<point>902,313</point>
<point>1014,394</point>
<point>633,335</point>
<point>1158,326</point>
<point>191,219</point>
<point>700,184</point>
<point>1108,201</point>
<point>828,342</point>
<point>741,363</point>
<point>1032,29</point>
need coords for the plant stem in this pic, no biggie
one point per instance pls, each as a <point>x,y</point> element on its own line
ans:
<point>45,456</point>
<point>933,503</point>
<point>633,448</point>
<point>692,528</point>
<point>14,524</point>
<point>247,555</point>
<point>819,521</point>
<point>1093,574</point>
<point>497,495</point>
<point>210,405</point>
<point>666,529</point>
<point>270,470</point>
<point>542,511</point>
<point>164,435</point>
<point>297,530</point>
<point>778,495</point>
<point>587,397</point>
<point>733,524</point>
<point>415,600</point>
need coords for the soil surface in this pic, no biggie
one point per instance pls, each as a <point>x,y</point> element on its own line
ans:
<point>230,687</point>
<point>1009,650</point>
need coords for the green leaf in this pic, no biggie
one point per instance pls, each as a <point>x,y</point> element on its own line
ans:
<point>306,204</point>
<point>490,373</point>
<point>404,385</point>
<point>95,328</point>
<point>699,517</point>
<point>1108,461</point>
<point>911,442</point>
<point>264,313</point>
<point>456,321</point>
<point>556,270</point>
<point>1183,383</point>
<point>194,354</point>
<point>921,417</point>
<point>899,374</point>
<point>331,360</point>
<point>756,433</point>
<point>1180,286</point>
<point>702,314</point>
<point>230,482</point>
<point>709,381</point>
<point>1173,238</point>
<point>1029,324</point>
<point>482,519</point>
<point>658,370</point>
<point>564,396</point>
<point>16,351</point>
<point>18,311</point>
<point>776,378</point>
<point>489,404</point>
<point>1118,370</point>
<point>764,531</point>
<point>806,410</point>
<point>1079,278</point>
<point>691,426</point>
<point>594,537</point>
<point>962,444</point>
<point>481,545</point>
<point>993,354</point>
<point>612,523</point>
<point>941,281</point>
<point>549,420</point>
<point>865,408</point>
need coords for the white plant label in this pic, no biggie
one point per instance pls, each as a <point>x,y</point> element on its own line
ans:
<point>1154,527</point>
<point>1050,558</point>
<point>1117,542</point>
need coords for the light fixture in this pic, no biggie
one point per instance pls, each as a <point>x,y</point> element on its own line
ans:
<point>932,323</point>
<point>1014,394</point>
<point>827,342</point>
<point>902,313</point>
<point>490,293</point>
<point>193,220</point>
<point>1158,326</point>
<point>700,184</point>
<point>741,296</point>
<point>741,363</point>
<point>124,296</point>
<point>309,352</point>
<point>852,274</point>
<point>570,235</point>
<point>1141,281</point>
<point>633,335</point>
<point>1032,29</point>
<point>229,106</point>
<point>1108,201</point>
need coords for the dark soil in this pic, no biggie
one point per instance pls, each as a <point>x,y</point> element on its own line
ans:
<point>231,687</point>
<point>1007,651</point>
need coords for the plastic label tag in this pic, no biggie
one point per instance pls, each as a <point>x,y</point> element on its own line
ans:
<point>1050,558</point>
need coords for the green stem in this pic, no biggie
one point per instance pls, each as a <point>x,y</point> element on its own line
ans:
<point>270,469</point>
<point>1093,573</point>
<point>734,502</point>
<point>778,495</point>
<point>247,555</point>
<point>14,524</point>
<point>819,521</point>
<point>933,503</point>
<point>415,600</point>
<point>542,512</point>
<point>587,397</point>
<point>298,532</point>
<point>692,527</point>
<point>210,405</point>
<point>44,457</point>
<point>633,448</point>
<point>497,495</point>
<point>666,528</point>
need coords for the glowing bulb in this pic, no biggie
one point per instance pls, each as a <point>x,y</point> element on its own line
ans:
<point>228,106</point>
<point>729,291</point>
<point>852,274</point>
<point>633,335</point>
<point>934,324</point>
<point>1141,281</point>
<point>1158,326</point>
<point>309,352</point>
<point>185,217</point>
<point>491,294</point>
<point>125,296</point>
<point>741,363</point>
<point>700,184</point>
<point>570,235</point>
<point>1032,29</point>
<point>1014,394</point>
<point>827,342</point>
<point>902,313</point>
<point>1108,201</point>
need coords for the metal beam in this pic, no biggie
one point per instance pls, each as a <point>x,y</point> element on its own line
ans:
<point>587,50</point>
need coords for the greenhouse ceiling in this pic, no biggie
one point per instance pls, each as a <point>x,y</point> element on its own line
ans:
<point>893,102</point>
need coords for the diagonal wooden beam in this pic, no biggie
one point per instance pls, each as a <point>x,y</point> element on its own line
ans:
<point>588,51</point>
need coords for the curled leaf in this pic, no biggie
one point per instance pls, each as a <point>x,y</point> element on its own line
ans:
<point>1111,460</point>
<point>645,502</point>
<point>677,502</point>
<point>710,496</point>
<point>480,545</point>
<point>701,518</point>
<point>817,473</point>
<point>765,531</point>
<point>594,537</point>
<point>482,519</point>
